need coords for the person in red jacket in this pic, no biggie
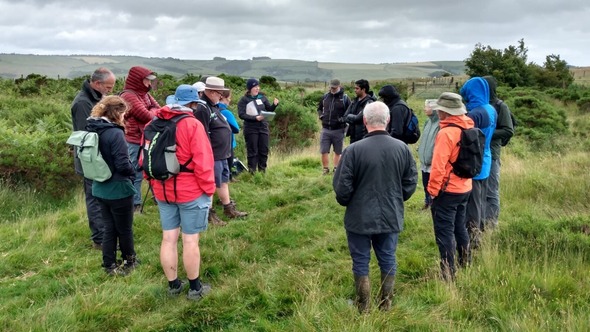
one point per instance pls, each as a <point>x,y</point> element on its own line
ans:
<point>142,107</point>
<point>184,200</point>
<point>449,192</point>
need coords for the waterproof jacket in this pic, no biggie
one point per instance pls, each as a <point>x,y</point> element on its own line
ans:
<point>373,179</point>
<point>331,109</point>
<point>81,109</point>
<point>262,104</point>
<point>399,112</point>
<point>113,149</point>
<point>231,120</point>
<point>142,105</point>
<point>191,143</point>
<point>426,147</point>
<point>357,128</point>
<point>504,126</point>
<point>216,126</point>
<point>446,150</point>
<point>477,95</point>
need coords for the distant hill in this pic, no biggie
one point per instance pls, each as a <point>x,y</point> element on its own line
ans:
<point>70,66</point>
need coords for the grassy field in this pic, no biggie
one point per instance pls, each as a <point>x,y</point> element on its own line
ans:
<point>286,266</point>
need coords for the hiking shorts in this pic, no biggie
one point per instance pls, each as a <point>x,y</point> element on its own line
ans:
<point>333,138</point>
<point>191,216</point>
<point>221,170</point>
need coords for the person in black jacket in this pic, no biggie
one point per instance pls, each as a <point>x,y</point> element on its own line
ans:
<point>398,111</point>
<point>115,195</point>
<point>376,175</point>
<point>354,113</point>
<point>331,111</point>
<point>100,84</point>
<point>256,133</point>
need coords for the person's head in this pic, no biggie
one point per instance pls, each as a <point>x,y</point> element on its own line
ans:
<point>252,86</point>
<point>103,81</point>
<point>428,104</point>
<point>225,97</point>
<point>334,86</point>
<point>186,95</point>
<point>361,88</point>
<point>200,86</point>
<point>214,86</point>
<point>110,107</point>
<point>449,104</point>
<point>376,116</point>
<point>139,79</point>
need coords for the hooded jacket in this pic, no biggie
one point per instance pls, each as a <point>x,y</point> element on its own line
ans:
<point>331,109</point>
<point>398,110</point>
<point>216,126</point>
<point>504,127</point>
<point>142,105</point>
<point>446,151</point>
<point>476,94</point>
<point>81,109</point>
<point>426,147</point>
<point>231,120</point>
<point>373,179</point>
<point>357,128</point>
<point>191,142</point>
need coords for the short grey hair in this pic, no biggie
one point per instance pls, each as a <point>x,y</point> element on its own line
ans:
<point>376,114</point>
<point>101,74</point>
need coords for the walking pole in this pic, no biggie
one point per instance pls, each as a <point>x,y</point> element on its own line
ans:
<point>146,194</point>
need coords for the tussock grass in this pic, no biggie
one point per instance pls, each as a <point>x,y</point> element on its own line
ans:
<point>286,267</point>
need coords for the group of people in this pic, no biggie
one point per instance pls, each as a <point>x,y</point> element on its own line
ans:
<point>204,148</point>
<point>376,173</point>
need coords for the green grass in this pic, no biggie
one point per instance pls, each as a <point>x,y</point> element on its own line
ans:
<point>286,266</point>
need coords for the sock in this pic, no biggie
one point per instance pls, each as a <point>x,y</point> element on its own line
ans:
<point>195,284</point>
<point>174,283</point>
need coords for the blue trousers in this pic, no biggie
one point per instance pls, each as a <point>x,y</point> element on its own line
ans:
<point>134,150</point>
<point>384,245</point>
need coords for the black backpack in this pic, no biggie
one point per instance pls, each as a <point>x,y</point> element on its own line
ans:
<point>497,106</point>
<point>411,132</point>
<point>471,150</point>
<point>159,149</point>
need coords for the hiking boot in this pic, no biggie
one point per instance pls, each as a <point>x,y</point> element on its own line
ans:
<point>130,263</point>
<point>387,282</point>
<point>326,171</point>
<point>363,293</point>
<point>214,219</point>
<point>176,291</point>
<point>197,295</point>
<point>114,270</point>
<point>230,211</point>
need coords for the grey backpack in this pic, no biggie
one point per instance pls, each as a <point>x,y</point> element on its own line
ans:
<point>86,148</point>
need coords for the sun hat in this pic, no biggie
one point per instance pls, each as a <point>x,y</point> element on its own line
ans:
<point>251,82</point>
<point>185,94</point>
<point>215,83</point>
<point>451,103</point>
<point>200,86</point>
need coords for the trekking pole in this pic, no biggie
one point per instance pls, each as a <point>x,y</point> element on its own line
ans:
<point>146,195</point>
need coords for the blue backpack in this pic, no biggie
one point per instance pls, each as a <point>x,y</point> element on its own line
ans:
<point>411,132</point>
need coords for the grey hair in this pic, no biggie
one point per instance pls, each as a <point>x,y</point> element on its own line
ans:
<point>376,114</point>
<point>101,74</point>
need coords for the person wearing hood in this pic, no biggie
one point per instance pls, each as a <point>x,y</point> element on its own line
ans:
<point>100,84</point>
<point>398,110</point>
<point>184,202</point>
<point>426,148</point>
<point>115,195</point>
<point>233,124</point>
<point>503,132</point>
<point>331,109</point>
<point>256,132</point>
<point>449,192</point>
<point>354,113</point>
<point>476,94</point>
<point>142,107</point>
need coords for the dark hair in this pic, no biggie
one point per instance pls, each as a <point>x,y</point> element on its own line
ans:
<point>111,108</point>
<point>363,85</point>
<point>101,74</point>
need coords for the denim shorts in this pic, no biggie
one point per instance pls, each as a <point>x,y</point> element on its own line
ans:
<point>191,216</point>
<point>221,172</point>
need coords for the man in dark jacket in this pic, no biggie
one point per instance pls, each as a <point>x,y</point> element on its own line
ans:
<point>503,132</point>
<point>99,84</point>
<point>354,113</point>
<point>399,112</point>
<point>376,175</point>
<point>331,111</point>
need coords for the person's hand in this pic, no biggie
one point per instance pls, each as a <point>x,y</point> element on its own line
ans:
<point>259,118</point>
<point>276,101</point>
<point>350,118</point>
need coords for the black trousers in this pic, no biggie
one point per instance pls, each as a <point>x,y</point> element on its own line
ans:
<point>257,143</point>
<point>94,214</point>
<point>117,215</point>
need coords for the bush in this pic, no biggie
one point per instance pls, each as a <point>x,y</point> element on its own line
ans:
<point>539,121</point>
<point>293,127</point>
<point>584,104</point>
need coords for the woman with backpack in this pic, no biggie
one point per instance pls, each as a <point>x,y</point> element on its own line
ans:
<point>256,132</point>
<point>115,195</point>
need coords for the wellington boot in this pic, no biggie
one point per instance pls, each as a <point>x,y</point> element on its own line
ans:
<point>363,293</point>
<point>387,282</point>
<point>230,211</point>
<point>214,219</point>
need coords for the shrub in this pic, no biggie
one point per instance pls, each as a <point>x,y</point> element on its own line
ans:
<point>293,127</point>
<point>584,104</point>
<point>539,121</point>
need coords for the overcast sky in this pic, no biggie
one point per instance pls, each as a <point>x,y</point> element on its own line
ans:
<point>384,31</point>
